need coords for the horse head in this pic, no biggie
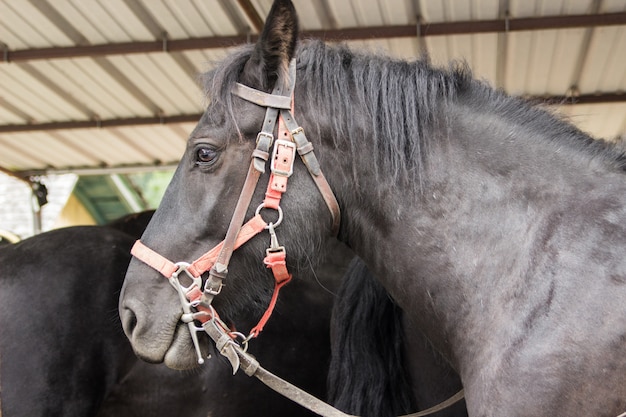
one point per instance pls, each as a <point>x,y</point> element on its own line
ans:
<point>197,210</point>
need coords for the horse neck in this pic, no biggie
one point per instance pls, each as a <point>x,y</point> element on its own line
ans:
<point>440,250</point>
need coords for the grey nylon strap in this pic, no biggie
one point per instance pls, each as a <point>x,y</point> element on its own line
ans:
<point>261,98</point>
<point>243,360</point>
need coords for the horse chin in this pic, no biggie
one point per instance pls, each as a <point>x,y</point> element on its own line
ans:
<point>181,354</point>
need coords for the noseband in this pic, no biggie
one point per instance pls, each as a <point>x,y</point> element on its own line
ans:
<point>196,300</point>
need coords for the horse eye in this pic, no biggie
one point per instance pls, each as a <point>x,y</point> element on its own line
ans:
<point>205,156</point>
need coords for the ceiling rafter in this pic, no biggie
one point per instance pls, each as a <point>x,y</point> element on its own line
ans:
<point>360,33</point>
<point>106,123</point>
<point>618,97</point>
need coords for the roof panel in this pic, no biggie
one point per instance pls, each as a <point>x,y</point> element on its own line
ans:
<point>164,81</point>
<point>307,8</point>
<point>485,9</point>
<point>127,20</point>
<point>161,13</point>
<point>111,94</point>
<point>598,119</point>
<point>190,18</point>
<point>147,84</point>
<point>105,145</point>
<point>343,13</point>
<point>613,6</point>
<point>602,57</point>
<point>186,88</point>
<point>99,17</point>
<point>562,65</point>
<point>217,18</point>
<point>21,32</point>
<point>9,117</point>
<point>398,12</point>
<point>454,10</point>
<point>79,20</point>
<point>40,24</point>
<point>368,13</point>
<point>16,155</point>
<point>157,144</point>
<point>541,62</point>
<point>24,94</point>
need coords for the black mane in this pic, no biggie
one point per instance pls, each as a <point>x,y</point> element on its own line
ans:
<point>402,105</point>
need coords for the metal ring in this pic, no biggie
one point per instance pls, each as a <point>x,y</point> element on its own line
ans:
<point>244,340</point>
<point>280,215</point>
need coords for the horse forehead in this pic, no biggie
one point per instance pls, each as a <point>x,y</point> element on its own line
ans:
<point>211,120</point>
<point>245,119</point>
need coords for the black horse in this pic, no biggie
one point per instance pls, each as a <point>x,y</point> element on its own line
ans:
<point>499,229</point>
<point>61,348</point>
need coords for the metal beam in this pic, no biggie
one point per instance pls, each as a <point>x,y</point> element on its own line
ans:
<point>605,98</point>
<point>617,97</point>
<point>359,33</point>
<point>98,124</point>
<point>83,171</point>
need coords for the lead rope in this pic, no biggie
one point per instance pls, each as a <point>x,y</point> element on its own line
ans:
<point>240,359</point>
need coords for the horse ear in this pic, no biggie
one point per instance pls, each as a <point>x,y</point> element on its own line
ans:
<point>276,46</point>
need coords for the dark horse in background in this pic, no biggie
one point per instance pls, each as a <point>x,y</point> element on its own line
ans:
<point>499,229</point>
<point>63,351</point>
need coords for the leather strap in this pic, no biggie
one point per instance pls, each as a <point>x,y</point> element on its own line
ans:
<point>218,271</point>
<point>305,150</point>
<point>166,267</point>
<point>239,359</point>
<point>262,98</point>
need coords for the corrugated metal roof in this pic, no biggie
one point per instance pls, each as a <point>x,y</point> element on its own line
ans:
<point>137,97</point>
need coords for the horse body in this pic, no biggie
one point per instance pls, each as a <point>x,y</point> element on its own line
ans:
<point>498,228</point>
<point>61,347</point>
<point>531,309</point>
<point>518,239</point>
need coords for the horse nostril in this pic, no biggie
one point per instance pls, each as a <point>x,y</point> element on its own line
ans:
<point>129,321</point>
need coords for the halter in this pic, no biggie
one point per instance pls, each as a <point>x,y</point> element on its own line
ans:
<point>196,302</point>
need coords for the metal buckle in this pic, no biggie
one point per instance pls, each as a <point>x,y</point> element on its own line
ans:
<point>211,291</point>
<point>269,136</point>
<point>275,153</point>
<point>183,267</point>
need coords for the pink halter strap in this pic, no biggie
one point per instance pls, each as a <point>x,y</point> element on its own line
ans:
<point>167,268</point>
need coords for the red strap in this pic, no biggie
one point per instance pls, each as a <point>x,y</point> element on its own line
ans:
<point>253,227</point>
<point>281,165</point>
<point>153,259</point>
<point>276,261</point>
<point>166,267</point>
<point>275,189</point>
<point>270,309</point>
